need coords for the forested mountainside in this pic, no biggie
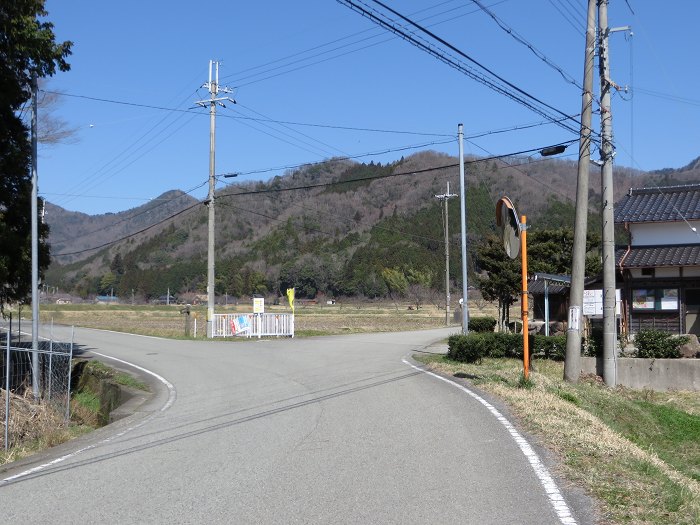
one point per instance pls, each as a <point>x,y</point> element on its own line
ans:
<point>337,227</point>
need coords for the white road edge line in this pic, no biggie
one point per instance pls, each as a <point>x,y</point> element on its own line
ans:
<point>171,399</point>
<point>550,487</point>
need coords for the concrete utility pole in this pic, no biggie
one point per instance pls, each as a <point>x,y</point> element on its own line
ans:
<point>607,153</point>
<point>35,243</point>
<point>214,89</point>
<point>444,198</point>
<point>572,363</point>
<point>463,210</point>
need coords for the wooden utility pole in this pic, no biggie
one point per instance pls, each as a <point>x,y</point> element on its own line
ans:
<point>572,363</point>
<point>445,217</point>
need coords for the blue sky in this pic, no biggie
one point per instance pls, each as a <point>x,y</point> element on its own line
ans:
<point>318,62</point>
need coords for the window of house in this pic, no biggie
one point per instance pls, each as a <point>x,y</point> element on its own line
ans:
<point>653,299</point>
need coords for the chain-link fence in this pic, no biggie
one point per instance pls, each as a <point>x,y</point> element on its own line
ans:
<point>36,384</point>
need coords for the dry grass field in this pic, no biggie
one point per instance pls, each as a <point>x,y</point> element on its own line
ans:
<point>167,321</point>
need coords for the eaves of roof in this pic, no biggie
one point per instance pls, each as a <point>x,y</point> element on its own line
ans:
<point>659,256</point>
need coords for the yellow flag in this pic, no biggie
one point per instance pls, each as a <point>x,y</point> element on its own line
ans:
<point>290,298</point>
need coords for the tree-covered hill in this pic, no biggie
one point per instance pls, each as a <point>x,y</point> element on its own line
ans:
<point>339,228</point>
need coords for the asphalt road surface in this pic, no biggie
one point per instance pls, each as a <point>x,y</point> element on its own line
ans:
<point>342,429</point>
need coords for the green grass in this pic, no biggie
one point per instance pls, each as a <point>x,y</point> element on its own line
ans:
<point>121,378</point>
<point>637,452</point>
<point>88,400</point>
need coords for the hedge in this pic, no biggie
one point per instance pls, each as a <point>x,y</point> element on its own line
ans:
<point>474,347</point>
<point>482,324</point>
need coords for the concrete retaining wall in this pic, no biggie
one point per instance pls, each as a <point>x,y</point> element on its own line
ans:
<point>655,374</point>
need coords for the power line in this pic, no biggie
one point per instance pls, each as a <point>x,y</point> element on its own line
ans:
<point>667,96</point>
<point>305,187</point>
<point>124,154</point>
<point>388,175</point>
<point>566,16</point>
<point>522,97</point>
<point>349,157</point>
<point>162,202</point>
<point>254,119</point>
<point>110,243</point>
<point>303,66</point>
<point>520,39</point>
<point>517,127</point>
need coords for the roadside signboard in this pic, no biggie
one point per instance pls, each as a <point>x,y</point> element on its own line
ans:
<point>258,305</point>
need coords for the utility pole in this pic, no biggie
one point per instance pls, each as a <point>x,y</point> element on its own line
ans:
<point>444,198</point>
<point>572,363</point>
<point>214,89</point>
<point>35,243</point>
<point>607,154</point>
<point>463,212</point>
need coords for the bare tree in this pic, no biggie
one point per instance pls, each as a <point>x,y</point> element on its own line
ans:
<point>52,129</point>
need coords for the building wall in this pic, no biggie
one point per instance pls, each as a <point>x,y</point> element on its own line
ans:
<point>663,233</point>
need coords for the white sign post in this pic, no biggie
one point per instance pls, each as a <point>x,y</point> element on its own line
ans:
<point>258,311</point>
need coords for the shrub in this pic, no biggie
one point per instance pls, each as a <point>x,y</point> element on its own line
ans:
<point>474,347</point>
<point>592,346</point>
<point>655,344</point>
<point>482,324</point>
<point>552,347</point>
<point>466,348</point>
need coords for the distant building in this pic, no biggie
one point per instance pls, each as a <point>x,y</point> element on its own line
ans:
<point>107,299</point>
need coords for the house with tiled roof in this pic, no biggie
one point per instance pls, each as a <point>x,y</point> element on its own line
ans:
<point>660,267</point>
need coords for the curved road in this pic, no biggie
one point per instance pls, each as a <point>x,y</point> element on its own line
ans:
<point>324,430</point>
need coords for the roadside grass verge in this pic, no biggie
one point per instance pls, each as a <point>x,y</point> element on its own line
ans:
<point>637,452</point>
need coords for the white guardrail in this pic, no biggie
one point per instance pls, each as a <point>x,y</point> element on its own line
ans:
<point>253,325</point>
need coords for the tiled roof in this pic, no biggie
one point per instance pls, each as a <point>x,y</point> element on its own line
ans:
<point>669,203</point>
<point>655,256</point>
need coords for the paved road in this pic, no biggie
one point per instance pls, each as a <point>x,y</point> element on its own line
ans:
<point>322,430</point>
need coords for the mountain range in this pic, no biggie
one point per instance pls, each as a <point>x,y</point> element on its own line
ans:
<point>329,227</point>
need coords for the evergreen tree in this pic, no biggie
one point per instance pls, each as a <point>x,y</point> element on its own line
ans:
<point>27,46</point>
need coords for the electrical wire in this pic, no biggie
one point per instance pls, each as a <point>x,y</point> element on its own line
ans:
<point>349,157</point>
<point>495,82</point>
<point>162,202</point>
<point>113,165</point>
<point>129,236</point>
<point>298,188</point>
<point>306,136</point>
<point>568,18</point>
<point>271,71</point>
<point>521,40</point>
<point>198,111</point>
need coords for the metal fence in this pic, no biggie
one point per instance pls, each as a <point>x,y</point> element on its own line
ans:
<point>44,396</point>
<point>253,325</point>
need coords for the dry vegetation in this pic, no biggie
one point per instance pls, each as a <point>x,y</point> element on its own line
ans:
<point>166,321</point>
<point>34,427</point>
